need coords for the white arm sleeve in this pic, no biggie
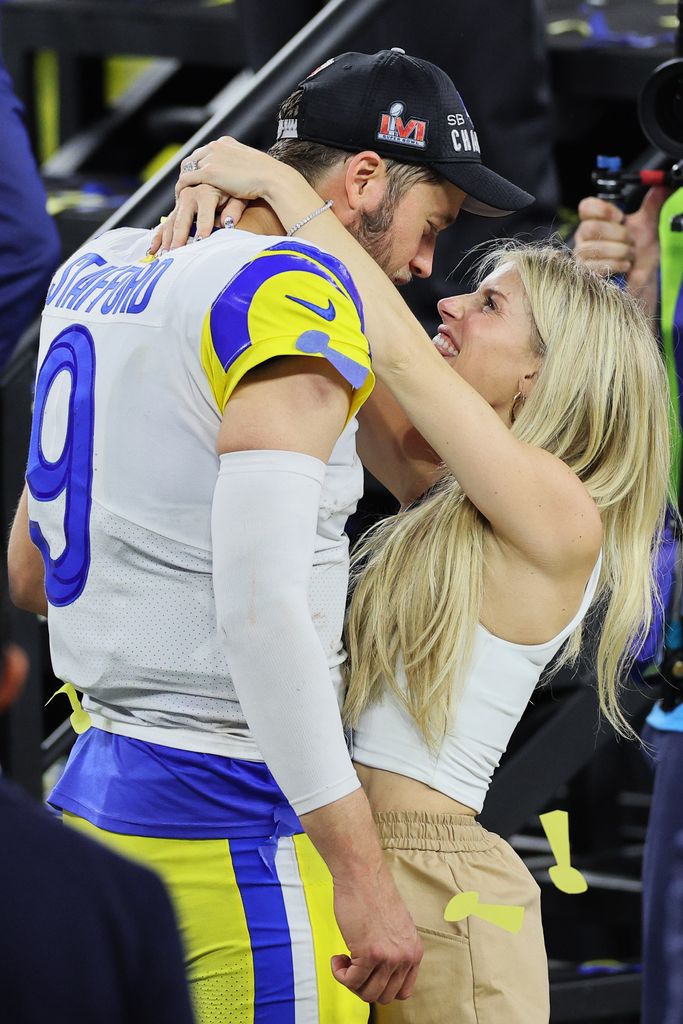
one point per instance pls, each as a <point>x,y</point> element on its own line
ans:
<point>263,527</point>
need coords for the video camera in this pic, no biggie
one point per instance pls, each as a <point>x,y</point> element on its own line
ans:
<point>660,110</point>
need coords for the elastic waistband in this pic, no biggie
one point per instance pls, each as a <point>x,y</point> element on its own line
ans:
<point>225,744</point>
<point>419,830</point>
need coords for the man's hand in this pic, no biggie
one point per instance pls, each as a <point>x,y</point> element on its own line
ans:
<point>378,930</point>
<point>612,243</point>
<point>385,948</point>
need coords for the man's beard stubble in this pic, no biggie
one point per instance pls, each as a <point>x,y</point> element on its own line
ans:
<point>373,232</point>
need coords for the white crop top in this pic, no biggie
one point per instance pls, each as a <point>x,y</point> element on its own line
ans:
<point>499,685</point>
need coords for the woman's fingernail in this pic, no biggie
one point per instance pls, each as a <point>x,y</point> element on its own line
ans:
<point>229,222</point>
<point>199,238</point>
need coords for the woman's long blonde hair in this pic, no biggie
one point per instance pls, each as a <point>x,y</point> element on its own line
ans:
<point>601,404</point>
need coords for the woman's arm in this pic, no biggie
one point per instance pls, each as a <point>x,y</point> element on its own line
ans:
<point>532,500</point>
<point>393,449</point>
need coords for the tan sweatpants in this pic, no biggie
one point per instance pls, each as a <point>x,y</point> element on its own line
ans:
<point>473,972</point>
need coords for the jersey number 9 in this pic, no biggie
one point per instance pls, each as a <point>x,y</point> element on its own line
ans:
<point>71,353</point>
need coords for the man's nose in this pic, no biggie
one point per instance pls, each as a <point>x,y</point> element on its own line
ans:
<point>421,263</point>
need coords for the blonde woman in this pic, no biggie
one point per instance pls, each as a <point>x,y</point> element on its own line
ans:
<point>545,398</point>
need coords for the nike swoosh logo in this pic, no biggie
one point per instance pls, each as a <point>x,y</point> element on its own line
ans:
<point>327,314</point>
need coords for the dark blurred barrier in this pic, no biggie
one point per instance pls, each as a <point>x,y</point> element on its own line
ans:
<point>243,114</point>
<point>21,729</point>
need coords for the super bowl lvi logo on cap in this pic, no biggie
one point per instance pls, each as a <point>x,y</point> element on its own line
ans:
<point>392,127</point>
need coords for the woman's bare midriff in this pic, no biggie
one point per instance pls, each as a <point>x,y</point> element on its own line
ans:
<point>389,791</point>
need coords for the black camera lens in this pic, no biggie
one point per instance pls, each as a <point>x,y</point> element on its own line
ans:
<point>661,107</point>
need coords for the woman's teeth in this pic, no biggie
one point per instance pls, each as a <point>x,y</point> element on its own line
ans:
<point>444,345</point>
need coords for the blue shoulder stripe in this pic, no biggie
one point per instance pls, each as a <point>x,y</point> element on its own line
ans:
<point>331,263</point>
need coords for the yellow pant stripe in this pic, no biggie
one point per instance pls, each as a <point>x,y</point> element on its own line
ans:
<point>210,915</point>
<point>201,881</point>
<point>336,1005</point>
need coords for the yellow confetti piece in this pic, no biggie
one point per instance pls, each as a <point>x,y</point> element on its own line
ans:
<point>73,199</point>
<point>668,21</point>
<point>563,876</point>
<point>466,904</point>
<point>80,719</point>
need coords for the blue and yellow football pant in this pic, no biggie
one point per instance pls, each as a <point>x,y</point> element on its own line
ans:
<point>258,938</point>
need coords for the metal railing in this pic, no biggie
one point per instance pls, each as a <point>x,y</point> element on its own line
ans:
<point>260,96</point>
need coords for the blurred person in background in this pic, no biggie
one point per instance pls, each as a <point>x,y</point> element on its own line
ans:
<point>84,934</point>
<point>29,243</point>
<point>615,243</point>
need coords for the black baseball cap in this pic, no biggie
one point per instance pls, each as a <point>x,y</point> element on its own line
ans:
<point>406,109</point>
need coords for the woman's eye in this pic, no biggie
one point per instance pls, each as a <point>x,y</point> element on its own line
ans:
<point>489,303</point>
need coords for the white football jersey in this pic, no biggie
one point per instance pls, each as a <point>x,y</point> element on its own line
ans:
<point>138,358</point>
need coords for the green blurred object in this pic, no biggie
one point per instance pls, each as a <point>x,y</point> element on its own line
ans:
<point>120,73</point>
<point>159,161</point>
<point>47,104</point>
<point>671,261</point>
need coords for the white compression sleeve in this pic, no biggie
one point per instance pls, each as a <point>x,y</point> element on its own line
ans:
<point>263,527</point>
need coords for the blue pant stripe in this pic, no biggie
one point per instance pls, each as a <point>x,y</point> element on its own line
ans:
<point>271,948</point>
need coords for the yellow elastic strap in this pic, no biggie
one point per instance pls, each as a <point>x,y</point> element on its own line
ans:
<point>80,719</point>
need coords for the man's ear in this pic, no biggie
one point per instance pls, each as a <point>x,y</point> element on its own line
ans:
<point>12,675</point>
<point>365,181</point>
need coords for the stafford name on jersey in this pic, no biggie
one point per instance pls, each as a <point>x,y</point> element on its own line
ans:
<point>118,289</point>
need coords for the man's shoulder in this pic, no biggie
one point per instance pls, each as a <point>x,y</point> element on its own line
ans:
<point>267,267</point>
<point>289,299</point>
<point>289,252</point>
<point>124,243</point>
<point>227,253</point>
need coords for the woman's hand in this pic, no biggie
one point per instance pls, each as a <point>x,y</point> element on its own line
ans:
<point>202,205</point>
<point>229,176</point>
<point>215,194</point>
<point>234,169</point>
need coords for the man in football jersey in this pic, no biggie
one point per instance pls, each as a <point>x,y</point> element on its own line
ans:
<point>191,469</point>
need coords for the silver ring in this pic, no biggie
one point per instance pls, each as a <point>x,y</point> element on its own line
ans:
<point>189,166</point>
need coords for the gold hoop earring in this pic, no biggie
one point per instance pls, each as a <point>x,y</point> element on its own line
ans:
<point>517,403</point>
